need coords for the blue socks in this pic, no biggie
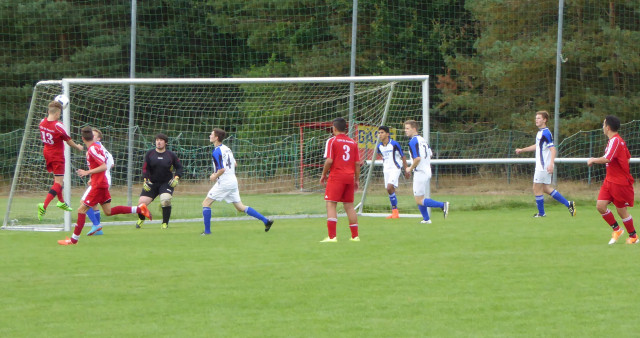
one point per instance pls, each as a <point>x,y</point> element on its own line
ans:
<point>252,212</point>
<point>94,216</point>
<point>429,203</point>
<point>424,211</point>
<point>558,197</point>
<point>206,215</point>
<point>394,201</point>
<point>540,203</point>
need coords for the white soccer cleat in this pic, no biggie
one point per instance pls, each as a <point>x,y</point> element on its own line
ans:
<point>426,221</point>
<point>445,209</point>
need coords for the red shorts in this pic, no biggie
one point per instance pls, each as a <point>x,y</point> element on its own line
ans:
<point>93,196</point>
<point>621,195</point>
<point>56,167</point>
<point>340,190</point>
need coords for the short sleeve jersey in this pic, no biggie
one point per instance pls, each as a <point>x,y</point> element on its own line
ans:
<point>419,148</point>
<point>53,134</point>
<point>618,169</point>
<point>109,162</point>
<point>222,157</point>
<point>391,155</point>
<point>95,158</point>
<point>344,152</point>
<point>544,143</point>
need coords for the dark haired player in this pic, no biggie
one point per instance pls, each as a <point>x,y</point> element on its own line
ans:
<point>161,171</point>
<point>341,174</point>
<point>98,190</point>
<point>617,187</point>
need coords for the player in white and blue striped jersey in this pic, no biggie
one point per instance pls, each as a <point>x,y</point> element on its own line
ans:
<point>545,157</point>
<point>226,183</point>
<point>421,168</point>
<point>393,164</point>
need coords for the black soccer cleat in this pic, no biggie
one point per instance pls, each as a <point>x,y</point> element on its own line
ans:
<point>268,225</point>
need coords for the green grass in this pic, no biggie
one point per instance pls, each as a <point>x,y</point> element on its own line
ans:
<point>479,273</point>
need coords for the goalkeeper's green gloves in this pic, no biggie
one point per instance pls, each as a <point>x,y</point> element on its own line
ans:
<point>147,185</point>
<point>174,181</point>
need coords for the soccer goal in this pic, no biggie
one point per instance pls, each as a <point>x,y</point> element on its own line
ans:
<point>277,130</point>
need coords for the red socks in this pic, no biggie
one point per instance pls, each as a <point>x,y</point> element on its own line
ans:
<point>331,226</point>
<point>354,230</point>
<point>628,224</point>
<point>78,229</point>
<point>121,210</point>
<point>608,217</point>
<point>56,190</point>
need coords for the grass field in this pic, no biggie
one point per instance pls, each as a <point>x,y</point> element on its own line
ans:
<point>489,270</point>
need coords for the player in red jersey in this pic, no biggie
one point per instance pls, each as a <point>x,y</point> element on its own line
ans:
<point>98,191</point>
<point>342,165</point>
<point>52,134</point>
<point>617,187</point>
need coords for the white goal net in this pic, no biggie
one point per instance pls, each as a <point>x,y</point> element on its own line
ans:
<point>277,130</point>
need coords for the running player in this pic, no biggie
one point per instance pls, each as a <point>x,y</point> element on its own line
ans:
<point>226,183</point>
<point>617,187</point>
<point>98,190</point>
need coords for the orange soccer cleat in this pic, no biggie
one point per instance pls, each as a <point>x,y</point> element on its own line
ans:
<point>394,214</point>
<point>615,235</point>
<point>66,241</point>
<point>144,211</point>
<point>633,240</point>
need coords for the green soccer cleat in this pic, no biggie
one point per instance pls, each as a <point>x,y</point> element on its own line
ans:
<point>41,211</point>
<point>139,223</point>
<point>64,206</point>
<point>165,225</point>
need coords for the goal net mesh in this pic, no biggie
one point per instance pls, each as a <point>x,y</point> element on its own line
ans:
<point>277,132</point>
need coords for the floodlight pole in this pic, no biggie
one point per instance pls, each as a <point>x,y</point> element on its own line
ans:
<point>352,88</point>
<point>559,60</point>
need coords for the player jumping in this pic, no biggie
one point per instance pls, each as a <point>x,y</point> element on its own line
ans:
<point>53,133</point>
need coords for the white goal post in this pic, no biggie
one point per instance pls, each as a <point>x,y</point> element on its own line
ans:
<point>277,127</point>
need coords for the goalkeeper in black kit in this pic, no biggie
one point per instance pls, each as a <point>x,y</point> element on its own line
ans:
<point>161,171</point>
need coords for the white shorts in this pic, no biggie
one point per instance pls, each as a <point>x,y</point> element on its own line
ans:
<point>391,176</point>
<point>542,176</point>
<point>227,194</point>
<point>420,183</point>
